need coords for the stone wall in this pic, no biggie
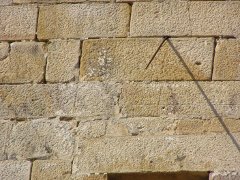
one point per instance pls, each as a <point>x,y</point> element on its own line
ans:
<point>100,87</point>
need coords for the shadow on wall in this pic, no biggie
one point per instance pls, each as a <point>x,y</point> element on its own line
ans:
<point>221,121</point>
<point>160,176</point>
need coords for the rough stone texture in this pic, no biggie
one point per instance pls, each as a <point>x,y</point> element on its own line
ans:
<point>164,154</point>
<point>49,170</point>
<point>31,101</point>
<point>91,177</point>
<point>25,63</point>
<point>4,51</point>
<point>181,100</point>
<point>18,22</point>
<point>224,176</point>
<point>41,139</point>
<point>5,2</point>
<point>127,59</point>
<point>83,20</point>
<point>227,60</point>
<point>180,18</point>
<point>63,60</point>
<point>156,126</point>
<point>17,170</point>
<point>55,1</point>
<point>5,128</point>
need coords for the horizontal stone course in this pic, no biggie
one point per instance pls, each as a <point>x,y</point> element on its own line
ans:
<point>49,100</point>
<point>127,59</point>
<point>18,22</point>
<point>181,100</point>
<point>184,18</point>
<point>83,21</point>
<point>157,154</point>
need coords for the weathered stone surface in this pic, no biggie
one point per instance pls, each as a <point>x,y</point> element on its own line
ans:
<point>181,100</point>
<point>127,59</point>
<point>63,61</point>
<point>18,22</point>
<point>5,128</point>
<point>17,170</point>
<point>180,18</point>
<point>41,139</point>
<point>91,177</point>
<point>85,20</point>
<point>51,169</point>
<point>227,60</point>
<point>4,51</point>
<point>5,2</point>
<point>25,63</point>
<point>54,1</point>
<point>161,153</point>
<point>83,100</point>
<point>224,176</point>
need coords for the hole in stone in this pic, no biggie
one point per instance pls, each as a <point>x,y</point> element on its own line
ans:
<point>198,63</point>
<point>161,176</point>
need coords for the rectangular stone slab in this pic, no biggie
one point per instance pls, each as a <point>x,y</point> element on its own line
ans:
<point>127,59</point>
<point>181,100</point>
<point>157,154</point>
<point>18,22</point>
<point>49,100</point>
<point>184,18</point>
<point>83,20</point>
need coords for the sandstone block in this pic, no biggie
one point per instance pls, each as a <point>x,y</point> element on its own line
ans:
<point>5,129</point>
<point>91,177</point>
<point>224,176</point>
<point>51,169</point>
<point>4,50</point>
<point>34,101</point>
<point>63,61</point>
<point>54,1</point>
<point>85,20</point>
<point>17,170</point>
<point>24,64</point>
<point>184,18</point>
<point>227,60</point>
<point>157,153</point>
<point>41,139</point>
<point>181,100</point>
<point>127,59</point>
<point>18,22</point>
<point>5,2</point>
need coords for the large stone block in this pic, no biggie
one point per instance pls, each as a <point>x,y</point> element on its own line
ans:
<point>5,2</point>
<point>18,22</point>
<point>184,18</point>
<point>127,59</point>
<point>83,21</point>
<point>157,154</point>
<point>83,100</point>
<point>63,61</point>
<point>17,170</point>
<point>181,100</point>
<point>25,63</point>
<point>224,175</point>
<point>227,60</point>
<point>53,1</point>
<point>41,139</point>
<point>5,129</point>
<point>51,169</point>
